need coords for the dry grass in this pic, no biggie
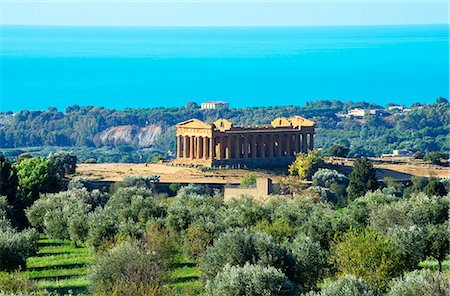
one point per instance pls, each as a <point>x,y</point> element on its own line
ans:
<point>167,173</point>
<point>397,168</point>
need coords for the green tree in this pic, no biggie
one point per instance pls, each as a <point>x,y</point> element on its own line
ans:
<point>36,175</point>
<point>240,246</point>
<point>250,280</point>
<point>362,178</point>
<point>347,285</point>
<point>8,179</point>
<point>62,215</point>
<point>367,254</point>
<point>435,187</point>
<point>65,162</point>
<point>435,157</point>
<point>437,242</point>
<point>423,282</point>
<point>128,269</point>
<point>248,180</point>
<point>311,258</point>
<point>305,165</point>
<point>338,150</point>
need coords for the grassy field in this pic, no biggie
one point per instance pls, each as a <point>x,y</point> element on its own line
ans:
<point>59,266</point>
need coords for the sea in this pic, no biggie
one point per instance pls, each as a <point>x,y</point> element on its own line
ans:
<point>140,67</point>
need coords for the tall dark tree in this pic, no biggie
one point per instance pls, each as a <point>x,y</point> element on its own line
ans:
<point>8,179</point>
<point>65,162</point>
<point>362,178</point>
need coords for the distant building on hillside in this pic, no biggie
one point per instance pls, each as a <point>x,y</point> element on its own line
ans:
<point>398,153</point>
<point>398,108</point>
<point>215,105</point>
<point>360,113</point>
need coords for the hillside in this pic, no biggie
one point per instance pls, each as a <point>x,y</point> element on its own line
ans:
<point>423,128</point>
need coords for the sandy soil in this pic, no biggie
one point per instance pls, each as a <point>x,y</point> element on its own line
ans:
<point>167,173</point>
<point>397,169</point>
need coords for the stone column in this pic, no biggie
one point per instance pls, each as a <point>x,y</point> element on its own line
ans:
<point>199,147</point>
<point>311,141</point>
<point>280,147</point>
<point>205,147</point>
<point>271,145</point>
<point>245,146</point>
<point>288,145</point>
<point>211,148</point>
<point>262,150</point>
<point>191,147</point>
<point>238,147</point>
<point>253,148</point>
<point>219,148</point>
<point>297,143</point>
<point>186,147</point>
<point>179,148</point>
<point>228,151</point>
<point>304,145</point>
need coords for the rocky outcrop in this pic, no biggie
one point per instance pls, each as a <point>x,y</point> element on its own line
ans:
<point>131,135</point>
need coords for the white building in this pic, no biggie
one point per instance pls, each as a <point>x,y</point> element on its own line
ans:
<point>215,105</point>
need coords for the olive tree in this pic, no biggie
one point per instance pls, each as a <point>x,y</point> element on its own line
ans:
<point>250,280</point>
<point>367,254</point>
<point>423,282</point>
<point>240,246</point>
<point>311,259</point>
<point>347,285</point>
<point>62,215</point>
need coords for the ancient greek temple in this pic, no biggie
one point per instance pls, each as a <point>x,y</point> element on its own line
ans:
<point>221,143</point>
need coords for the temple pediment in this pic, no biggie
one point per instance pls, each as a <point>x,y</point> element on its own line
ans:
<point>194,123</point>
<point>298,121</point>
<point>223,124</point>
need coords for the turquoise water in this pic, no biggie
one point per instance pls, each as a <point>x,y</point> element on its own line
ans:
<point>149,67</point>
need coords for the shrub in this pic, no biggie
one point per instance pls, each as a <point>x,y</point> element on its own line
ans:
<point>15,247</point>
<point>435,187</point>
<point>239,246</point>
<point>134,206</point>
<point>411,243</point>
<point>305,165</point>
<point>62,215</point>
<point>102,227</point>
<point>310,257</point>
<point>244,212</point>
<point>435,157</point>
<point>130,181</point>
<point>420,283</point>
<point>324,194</point>
<point>346,286</point>
<point>196,241</point>
<point>80,183</point>
<point>437,242</point>
<point>279,229</point>
<point>338,150</point>
<point>326,177</point>
<point>65,162</point>
<point>174,187</point>
<point>127,269</point>
<point>250,280</point>
<point>16,284</point>
<point>362,178</point>
<point>367,254</point>
<point>248,180</point>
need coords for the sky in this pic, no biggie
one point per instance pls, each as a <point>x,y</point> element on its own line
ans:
<point>222,12</point>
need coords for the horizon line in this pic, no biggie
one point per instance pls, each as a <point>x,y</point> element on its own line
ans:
<point>221,26</point>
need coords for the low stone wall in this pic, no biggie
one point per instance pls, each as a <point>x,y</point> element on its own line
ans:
<point>261,192</point>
